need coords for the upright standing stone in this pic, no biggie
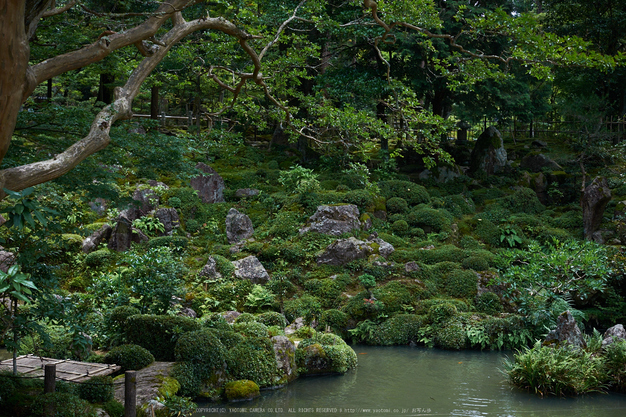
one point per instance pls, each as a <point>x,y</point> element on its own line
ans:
<point>593,201</point>
<point>488,154</point>
<point>238,226</point>
<point>210,185</point>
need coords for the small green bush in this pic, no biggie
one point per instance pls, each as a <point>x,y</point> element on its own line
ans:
<point>462,284</point>
<point>477,263</point>
<point>399,330</point>
<point>411,192</point>
<point>98,258</point>
<point>251,329</point>
<point>429,219</point>
<point>363,199</point>
<point>245,318</point>
<point>174,202</point>
<point>488,303</point>
<point>334,319</point>
<point>400,227</point>
<point>253,359</point>
<point>324,354</point>
<point>440,313</point>
<point>452,336</point>
<point>189,377</point>
<point>158,334</point>
<point>177,243</point>
<point>523,200</point>
<point>201,347</point>
<point>397,205</point>
<point>307,306</point>
<point>65,405</point>
<point>272,318</point>
<point>129,357</point>
<point>113,408</point>
<point>458,205</point>
<point>117,317</point>
<point>98,389</point>
<point>615,359</point>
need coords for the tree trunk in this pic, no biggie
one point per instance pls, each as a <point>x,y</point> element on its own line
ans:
<point>154,102</point>
<point>105,89</point>
<point>14,55</point>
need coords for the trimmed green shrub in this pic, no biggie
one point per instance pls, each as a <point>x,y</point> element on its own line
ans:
<point>363,199</point>
<point>397,205</point>
<point>488,232</point>
<point>334,319</point>
<point>188,377</point>
<point>488,303</point>
<point>129,357</point>
<point>324,354</point>
<point>326,290</point>
<point>462,284</point>
<point>429,219</point>
<point>215,321</point>
<point>158,334</point>
<point>477,263</point>
<point>307,306</point>
<point>223,265</point>
<point>400,227</point>
<point>272,318</point>
<point>65,405</point>
<point>452,336</point>
<point>113,408</point>
<point>468,242</point>
<point>395,241</point>
<point>393,295</point>
<point>399,330</point>
<point>229,338</point>
<point>241,390</point>
<point>411,192</point>
<point>98,258</point>
<point>458,205</point>
<point>253,359</point>
<point>523,200</point>
<point>98,389</point>
<point>201,347</point>
<point>442,312</point>
<point>118,316</point>
<point>245,318</point>
<point>251,329</point>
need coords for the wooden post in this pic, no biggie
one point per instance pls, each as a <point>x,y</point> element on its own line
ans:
<point>154,102</point>
<point>130,394</point>
<point>49,386</point>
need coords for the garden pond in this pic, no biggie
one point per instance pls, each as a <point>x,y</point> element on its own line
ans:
<point>405,381</point>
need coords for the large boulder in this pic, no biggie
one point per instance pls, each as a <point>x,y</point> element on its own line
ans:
<point>210,185</point>
<point>613,334</point>
<point>343,251</point>
<point>325,354</point>
<point>238,226</point>
<point>146,198</point>
<point>535,162</point>
<point>566,332</point>
<point>123,234</point>
<point>170,219</point>
<point>91,243</point>
<point>594,201</point>
<point>250,268</point>
<point>488,154</point>
<point>209,271</point>
<point>285,353</point>
<point>334,220</point>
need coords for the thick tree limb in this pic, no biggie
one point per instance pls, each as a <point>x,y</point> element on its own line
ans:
<point>18,178</point>
<point>58,10</point>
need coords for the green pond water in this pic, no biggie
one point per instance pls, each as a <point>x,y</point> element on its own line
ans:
<point>404,381</point>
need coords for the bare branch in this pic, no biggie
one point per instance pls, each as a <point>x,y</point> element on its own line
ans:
<point>59,10</point>
<point>280,30</point>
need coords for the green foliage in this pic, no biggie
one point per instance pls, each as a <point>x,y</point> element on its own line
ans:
<point>188,377</point>
<point>400,227</point>
<point>129,357</point>
<point>306,306</point>
<point>98,258</point>
<point>394,295</point>
<point>65,405</point>
<point>509,332</point>
<point>510,235</point>
<point>367,281</point>
<point>397,205</point>
<point>98,389</point>
<point>253,359</point>
<point>462,284</point>
<point>431,220</point>
<point>412,193</point>
<point>615,360</point>
<point>326,290</point>
<point>299,180</point>
<point>458,205</point>
<point>25,211</point>
<point>272,318</point>
<point>245,318</point>
<point>364,200</point>
<point>259,298</point>
<point>488,303</point>
<point>176,243</point>
<point>201,347</point>
<point>149,225</point>
<point>451,336</point>
<point>334,319</point>
<point>440,313</point>
<point>251,329</point>
<point>562,372</point>
<point>325,353</point>
<point>154,277</point>
<point>523,200</point>
<point>477,263</point>
<point>158,334</point>
<point>401,329</point>
<point>113,408</point>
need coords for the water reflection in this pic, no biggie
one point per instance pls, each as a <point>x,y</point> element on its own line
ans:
<point>403,381</point>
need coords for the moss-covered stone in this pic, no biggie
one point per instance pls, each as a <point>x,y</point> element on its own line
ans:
<point>242,390</point>
<point>324,354</point>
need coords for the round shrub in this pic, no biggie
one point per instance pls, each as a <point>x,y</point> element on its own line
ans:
<point>174,202</point>
<point>129,357</point>
<point>440,313</point>
<point>251,329</point>
<point>215,321</point>
<point>245,318</point>
<point>119,315</point>
<point>188,376</point>
<point>452,336</point>
<point>229,338</point>
<point>254,359</point>
<point>429,219</point>
<point>272,318</point>
<point>462,284</point>
<point>363,199</point>
<point>395,217</point>
<point>65,405</point>
<point>399,330</point>
<point>394,295</point>
<point>241,390</point>
<point>397,205</point>
<point>400,227</point>
<point>158,334</point>
<point>192,226</point>
<point>98,258</point>
<point>477,263</point>
<point>488,303</point>
<point>411,192</point>
<point>201,347</point>
<point>99,389</point>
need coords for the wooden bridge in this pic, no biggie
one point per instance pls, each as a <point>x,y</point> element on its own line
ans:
<point>66,370</point>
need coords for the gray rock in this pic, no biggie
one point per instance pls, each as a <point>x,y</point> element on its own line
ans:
<point>145,196</point>
<point>384,248</point>
<point>613,334</point>
<point>238,226</point>
<point>488,154</point>
<point>536,162</point>
<point>594,201</point>
<point>343,251</point>
<point>210,185</point>
<point>566,332</point>
<point>246,192</point>
<point>210,269</point>
<point>187,312</point>
<point>99,206</point>
<point>251,269</point>
<point>539,144</point>
<point>124,233</point>
<point>7,259</point>
<point>285,353</point>
<point>334,220</point>
<point>170,219</point>
<point>295,326</point>
<point>441,174</point>
<point>411,266</point>
<point>230,316</point>
<point>91,243</point>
